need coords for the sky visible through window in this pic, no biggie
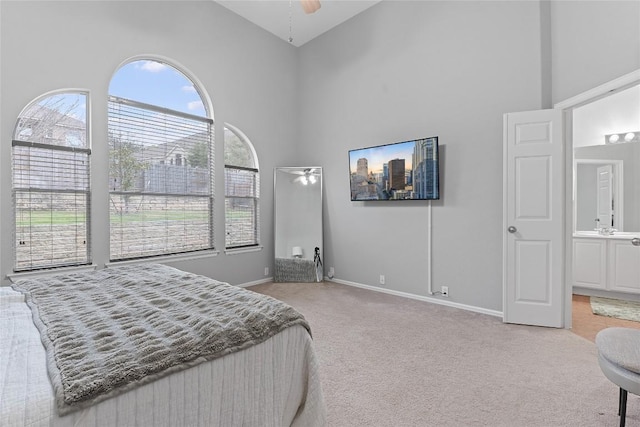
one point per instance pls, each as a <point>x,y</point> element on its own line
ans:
<point>158,84</point>
<point>73,105</point>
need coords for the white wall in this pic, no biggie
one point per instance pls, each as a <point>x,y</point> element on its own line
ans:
<point>248,73</point>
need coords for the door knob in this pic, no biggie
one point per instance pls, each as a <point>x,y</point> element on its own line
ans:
<point>635,241</point>
<point>512,229</point>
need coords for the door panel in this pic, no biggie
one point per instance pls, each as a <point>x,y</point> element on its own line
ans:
<point>590,263</point>
<point>532,272</point>
<point>534,218</point>
<point>532,177</point>
<point>624,266</point>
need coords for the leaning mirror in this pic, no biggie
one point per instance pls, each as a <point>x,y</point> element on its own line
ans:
<point>298,224</point>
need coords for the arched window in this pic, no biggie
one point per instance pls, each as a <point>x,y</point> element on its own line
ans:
<point>50,185</point>
<point>242,190</point>
<point>160,163</point>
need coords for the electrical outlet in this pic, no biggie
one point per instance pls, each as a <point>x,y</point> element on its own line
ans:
<point>444,290</point>
<point>266,271</point>
<point>382,279</point>
<point>331,273</point>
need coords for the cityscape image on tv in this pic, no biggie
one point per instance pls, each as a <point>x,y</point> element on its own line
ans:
<point>401,171</point>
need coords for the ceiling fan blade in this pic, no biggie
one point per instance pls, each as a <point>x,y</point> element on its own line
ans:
<point>310,6</point>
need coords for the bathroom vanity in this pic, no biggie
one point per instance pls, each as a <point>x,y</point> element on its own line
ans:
<point>607,262</point>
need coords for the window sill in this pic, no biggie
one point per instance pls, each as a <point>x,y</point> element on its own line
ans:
<point>39,273</point>
<point>238,251</point>
<point>165,258</point>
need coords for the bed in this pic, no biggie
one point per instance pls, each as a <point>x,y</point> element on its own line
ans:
<point>258,375</point>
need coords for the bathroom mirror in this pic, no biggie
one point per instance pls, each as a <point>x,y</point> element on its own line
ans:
<point>607,187</point>
<point>298,224</point>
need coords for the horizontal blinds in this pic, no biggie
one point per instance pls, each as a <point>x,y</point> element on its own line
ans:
<point>144,225</point>
<point>241,207</point>
<point>52,205</point>
<point>160,180</point>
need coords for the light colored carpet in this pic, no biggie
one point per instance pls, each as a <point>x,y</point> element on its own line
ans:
<point>620,309</point>
<point>392,361</point>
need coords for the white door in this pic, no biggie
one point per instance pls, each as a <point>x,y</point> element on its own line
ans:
<point>533,218</point>
<point>605,196</point>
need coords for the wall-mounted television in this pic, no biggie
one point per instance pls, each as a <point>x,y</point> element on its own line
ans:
<point>405,170</point>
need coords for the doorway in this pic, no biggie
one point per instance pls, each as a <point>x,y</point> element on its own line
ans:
<point>591,141</point>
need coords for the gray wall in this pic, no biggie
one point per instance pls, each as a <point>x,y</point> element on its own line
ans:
<point>400,70</point>
<point>593,42</point>
<point>249,75</point>
<point>405,70</point>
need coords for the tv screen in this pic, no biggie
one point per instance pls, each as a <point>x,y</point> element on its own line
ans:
<point>400,171</point>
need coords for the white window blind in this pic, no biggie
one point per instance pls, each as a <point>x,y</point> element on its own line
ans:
<point>242,192</point>
<point>241,207</point>
<point>160,180</point>
<point>50,188</point>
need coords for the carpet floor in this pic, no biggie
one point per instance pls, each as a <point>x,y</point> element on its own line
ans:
<point>391,361</point>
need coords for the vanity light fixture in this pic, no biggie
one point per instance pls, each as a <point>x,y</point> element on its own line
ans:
<point>616,138</point>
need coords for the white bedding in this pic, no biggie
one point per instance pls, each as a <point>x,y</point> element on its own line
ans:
<point>274,383</point>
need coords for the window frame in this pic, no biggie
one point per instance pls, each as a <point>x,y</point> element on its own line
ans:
<point>184,251</point>
<point>256,245</point>
<point>17,143</point>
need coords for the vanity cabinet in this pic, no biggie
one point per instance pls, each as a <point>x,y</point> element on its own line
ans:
<point>608,263</point>
<point>590,263</point>
<point>624,266</point>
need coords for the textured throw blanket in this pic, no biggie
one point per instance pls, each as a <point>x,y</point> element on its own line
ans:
<point>111,330</point>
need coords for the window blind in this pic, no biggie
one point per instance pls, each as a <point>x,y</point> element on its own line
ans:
<point>51,204</point>
<point>160,180</point>
<point>241,207</point>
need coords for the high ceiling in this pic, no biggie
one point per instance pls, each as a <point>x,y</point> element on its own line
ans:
<point>273,16</point>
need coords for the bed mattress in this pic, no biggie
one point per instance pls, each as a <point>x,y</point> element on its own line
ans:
<point>274,383</point>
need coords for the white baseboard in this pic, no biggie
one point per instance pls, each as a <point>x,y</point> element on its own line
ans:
<point>256,282</point>
<point>419,297</point>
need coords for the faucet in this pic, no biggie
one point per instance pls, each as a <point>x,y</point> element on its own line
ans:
<point>606,231</point>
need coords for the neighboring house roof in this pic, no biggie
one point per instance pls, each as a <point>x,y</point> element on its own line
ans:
<point>157,153</point>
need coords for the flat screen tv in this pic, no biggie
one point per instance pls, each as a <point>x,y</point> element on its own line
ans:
<point>400,171</point>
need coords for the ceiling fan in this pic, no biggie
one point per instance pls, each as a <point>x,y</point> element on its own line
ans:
<point>306,176</point>
<point>310,6</point>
